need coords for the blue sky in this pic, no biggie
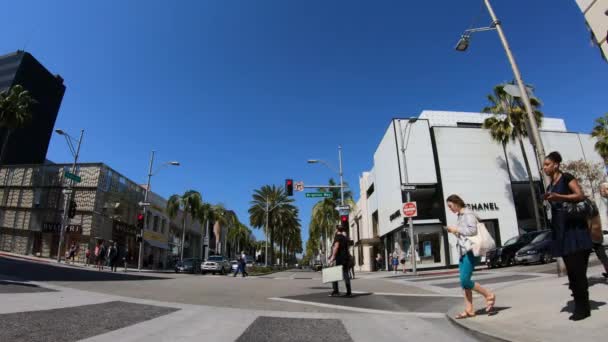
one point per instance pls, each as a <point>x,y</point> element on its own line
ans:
<point>242,93</point>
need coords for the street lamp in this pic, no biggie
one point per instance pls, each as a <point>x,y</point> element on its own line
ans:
<point>340,173</point>
<point>150,174</point>
<point>69,193</point>
<point>535,138</point>
<point>405,133</point>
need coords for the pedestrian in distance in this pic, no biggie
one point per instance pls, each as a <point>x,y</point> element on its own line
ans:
<point>340,255</point>
<point>395,261</point>
<point>87,257</point>
<point>597,236</point>
<point>466,227</point>
<point>571,238</point>
<point>244,261</point>
<point>71,253</point>
<point>100,252</point>
<point>113,256</point>
<point>379,262</point>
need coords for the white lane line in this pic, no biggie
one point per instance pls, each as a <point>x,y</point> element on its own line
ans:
<point>416,295</point>
<point>372,311</point>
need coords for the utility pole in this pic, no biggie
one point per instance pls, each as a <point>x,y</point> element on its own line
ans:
<point>141,233</point>
<point>408,194</point>
<point>69,193</point>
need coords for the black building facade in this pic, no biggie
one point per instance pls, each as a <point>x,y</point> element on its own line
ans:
<point>29,145</point>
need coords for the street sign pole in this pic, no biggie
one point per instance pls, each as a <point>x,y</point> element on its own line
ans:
<point>141,242</point>
<point>69,196</point>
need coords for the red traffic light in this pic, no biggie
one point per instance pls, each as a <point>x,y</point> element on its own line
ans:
<point>289,187</point>
<point>344,218</point>
<point>140,217</point>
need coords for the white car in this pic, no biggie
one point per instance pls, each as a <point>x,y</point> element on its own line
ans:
<point>216,264</point>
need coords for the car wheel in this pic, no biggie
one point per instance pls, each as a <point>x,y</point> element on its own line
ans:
<point>546,258</point>
<point>223,272</point>
<point>505,262</point>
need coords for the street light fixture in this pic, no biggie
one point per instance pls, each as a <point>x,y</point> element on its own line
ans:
<point>463,43</point>
<point>150,174</point>
<point>69,195</point>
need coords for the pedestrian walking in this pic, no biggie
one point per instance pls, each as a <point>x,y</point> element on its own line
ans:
<point>71,253</point>
<point>467,227</point>
<point>571,238</point>
<point>340,256</point>
<point>402,258</point>
<point>87,256</point>
<point>113,257</point>
<point>379,262</point>
<point>241,265</point>
<point>100,255</point>
<point>395,261</point>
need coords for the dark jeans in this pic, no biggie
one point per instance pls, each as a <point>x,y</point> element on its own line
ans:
<point>576,265</point>
<point>346,278</point>
<point>241,268</point>
<point>600,251</point>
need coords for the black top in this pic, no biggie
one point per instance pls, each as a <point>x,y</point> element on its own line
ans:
<point>342,255</point>
<point>570,235</point>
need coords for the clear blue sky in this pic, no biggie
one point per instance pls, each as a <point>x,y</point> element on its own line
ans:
<point>243,92</point>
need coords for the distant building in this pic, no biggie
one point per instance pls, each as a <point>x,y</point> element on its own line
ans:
<point>596,15</point>
<point>28,145</point>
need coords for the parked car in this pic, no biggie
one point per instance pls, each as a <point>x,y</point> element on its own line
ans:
<point>216,264</point>
<point>505,255</point>
<point>538,250</point>
<point>187,266</point>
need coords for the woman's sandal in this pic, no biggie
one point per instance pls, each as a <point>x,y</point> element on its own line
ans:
<point>464,315</point>
<point>490,301</point>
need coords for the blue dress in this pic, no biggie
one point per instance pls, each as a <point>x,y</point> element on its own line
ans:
<point>569,235</point>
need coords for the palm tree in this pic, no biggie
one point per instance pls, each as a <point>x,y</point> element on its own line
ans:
<point>268,205</point>
<point>240,236</point>
<point>600,132</point>
<point>205,217</point>
<point>15,112</point>
<point>189,203</point>
<point>223,218</point>
<point>509,123</point>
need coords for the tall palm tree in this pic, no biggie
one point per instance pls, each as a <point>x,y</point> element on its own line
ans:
<point>240,236</point>
<point>223,218</point>
<point>600,132</point>
<point>205,217</point>
<point>15,112</point>
<point>268,203</point>
<point>509,123</point>
<point>288,227</point>
<point>189,203</point>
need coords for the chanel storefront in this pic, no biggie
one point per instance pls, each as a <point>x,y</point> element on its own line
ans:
<point>449,153</point>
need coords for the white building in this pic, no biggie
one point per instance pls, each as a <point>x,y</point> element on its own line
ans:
<point>596,16</point>
<point>448,153</point>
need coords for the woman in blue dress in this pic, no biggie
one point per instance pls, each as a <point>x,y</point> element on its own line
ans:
<point>571,239</point>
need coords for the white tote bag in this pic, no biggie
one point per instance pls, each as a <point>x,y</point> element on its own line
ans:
<point>482,242</point>
<point>331,274</point>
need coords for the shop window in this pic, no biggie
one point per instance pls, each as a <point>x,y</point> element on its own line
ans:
<point>524,209</point>
<point>375,223</point>
<point>429,202</point>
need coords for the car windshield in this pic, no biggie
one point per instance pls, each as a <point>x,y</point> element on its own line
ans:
<point>187,263</point>
<point>541,237</point>
<point>527,238</point>
<point>215,258</point>
<point>511,241</point>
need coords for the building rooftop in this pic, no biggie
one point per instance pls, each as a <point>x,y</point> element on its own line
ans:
<point>447,118</point>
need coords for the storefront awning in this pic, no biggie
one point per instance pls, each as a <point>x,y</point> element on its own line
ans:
<point>157,244</point>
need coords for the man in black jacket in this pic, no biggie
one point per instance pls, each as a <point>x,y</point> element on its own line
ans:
<point>340,255</point>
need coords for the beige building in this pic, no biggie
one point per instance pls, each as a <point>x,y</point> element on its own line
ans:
<point>31,211</point>
<point>596,16</point>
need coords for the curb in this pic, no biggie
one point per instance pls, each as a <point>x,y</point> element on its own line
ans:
<point>34,259</point>
<point>484,336</point>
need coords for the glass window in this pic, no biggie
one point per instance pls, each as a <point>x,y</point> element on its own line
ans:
<point>155,227</point>
<point>162,225</point>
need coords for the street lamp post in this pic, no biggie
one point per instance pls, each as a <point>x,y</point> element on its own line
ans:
<point>340,172</point>
<point>535,138</point>
<point>404,143</point>
<point>145,206</point>
<point>68,195</point>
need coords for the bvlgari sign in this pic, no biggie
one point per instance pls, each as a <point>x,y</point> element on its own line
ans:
<point>491,206</point>
<point>56,227</point>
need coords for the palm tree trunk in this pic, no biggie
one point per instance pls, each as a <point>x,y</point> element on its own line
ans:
<point>504,150</point>
<point>4,143</point>
<point>532,187</point>
<point>183,236</point>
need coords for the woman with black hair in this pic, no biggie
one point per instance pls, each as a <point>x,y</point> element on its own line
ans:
<point>571,239</point>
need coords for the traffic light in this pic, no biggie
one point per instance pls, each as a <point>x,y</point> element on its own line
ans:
<point>72,209</point>
<point>344,222</point>
<point>140,221</point>
<point>289,187</point>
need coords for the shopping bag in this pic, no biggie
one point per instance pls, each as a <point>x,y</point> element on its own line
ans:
<point>482,242</point>
<point>331,274</point>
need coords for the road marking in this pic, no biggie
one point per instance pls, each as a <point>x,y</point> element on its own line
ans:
<point>415,295</point>
<point>372,311</point>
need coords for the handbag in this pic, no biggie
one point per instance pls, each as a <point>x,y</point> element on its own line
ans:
<point>482,242</point>
<point>332,274</point>
<point>584,209</point>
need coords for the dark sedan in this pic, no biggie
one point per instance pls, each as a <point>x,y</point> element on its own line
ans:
<point>538,250</point>
<point>505,255</point>
<point>187,266</point>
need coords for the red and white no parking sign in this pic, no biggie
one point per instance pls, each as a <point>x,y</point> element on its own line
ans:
<point>410,209</point>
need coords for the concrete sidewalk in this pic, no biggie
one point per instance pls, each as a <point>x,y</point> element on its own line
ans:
<point>538,310</point>
<point>77,264</point>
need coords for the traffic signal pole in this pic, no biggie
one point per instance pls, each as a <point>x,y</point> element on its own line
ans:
<point>141,232</point>
<point>68,195</point>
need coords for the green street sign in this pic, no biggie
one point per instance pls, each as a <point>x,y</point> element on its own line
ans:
<point>319,195</point>
<point>73,177</point>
